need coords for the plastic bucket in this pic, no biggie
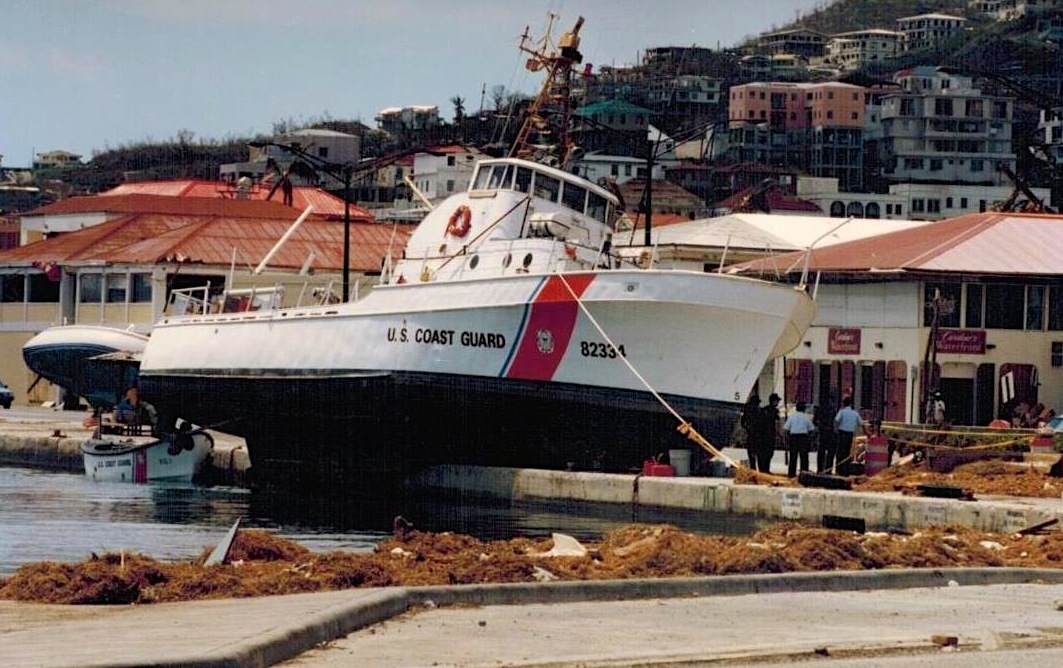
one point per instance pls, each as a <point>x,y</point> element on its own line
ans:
<point>876,454</point>
<point>680,460</point>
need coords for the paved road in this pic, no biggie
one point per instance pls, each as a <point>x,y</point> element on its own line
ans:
<point>865,628</point>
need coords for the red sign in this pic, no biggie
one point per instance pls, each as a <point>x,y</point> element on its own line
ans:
<point>961,341</point>
<point>843,341</point>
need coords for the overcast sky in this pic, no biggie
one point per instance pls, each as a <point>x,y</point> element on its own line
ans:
<point>88,75</point>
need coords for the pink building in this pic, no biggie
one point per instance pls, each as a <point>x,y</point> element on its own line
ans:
<point>790,106</point>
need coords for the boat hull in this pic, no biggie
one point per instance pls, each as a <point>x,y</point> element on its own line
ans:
<point>142,459</point>
<point>594,370</point>
<point>61,355</point>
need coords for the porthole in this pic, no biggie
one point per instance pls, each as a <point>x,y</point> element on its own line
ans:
<point>527,260</point>
<point>507,259</point>
<point>473,261</point>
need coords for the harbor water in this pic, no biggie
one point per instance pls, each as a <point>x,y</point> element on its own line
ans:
<point>66,517</point>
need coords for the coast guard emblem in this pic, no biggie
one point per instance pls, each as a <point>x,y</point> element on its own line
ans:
<point>544,339</point>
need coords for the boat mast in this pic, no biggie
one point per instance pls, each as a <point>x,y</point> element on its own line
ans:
<point>545,135</point>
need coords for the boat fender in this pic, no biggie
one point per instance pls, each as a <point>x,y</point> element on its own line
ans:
<point>460,221</point>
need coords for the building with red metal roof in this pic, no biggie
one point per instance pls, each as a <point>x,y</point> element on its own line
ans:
<point>972,306</point>
<point>325,203</point>
<point>114,260</point>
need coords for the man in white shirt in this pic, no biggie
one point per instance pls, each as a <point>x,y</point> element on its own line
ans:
<point>798,429</point>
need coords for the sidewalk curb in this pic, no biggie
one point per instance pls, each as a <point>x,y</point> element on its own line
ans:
<point>343,619</point>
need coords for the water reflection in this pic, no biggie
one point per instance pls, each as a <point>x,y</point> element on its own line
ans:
<point>65,517</point>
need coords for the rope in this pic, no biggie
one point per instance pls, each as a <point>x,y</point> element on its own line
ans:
<point>684,428</point>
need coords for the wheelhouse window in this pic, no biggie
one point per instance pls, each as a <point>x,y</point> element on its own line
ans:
<point>501,177</point>
<point>597,207</point>
<point>547,187</point>
<point>574,197</point>
<point>523,181</point>
<point>90,288</point>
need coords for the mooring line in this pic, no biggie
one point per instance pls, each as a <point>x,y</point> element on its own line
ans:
<point>685,427</point>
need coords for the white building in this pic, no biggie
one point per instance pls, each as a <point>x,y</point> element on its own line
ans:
<point>441,172</point>
<point>915,201</point>
<point>926,30</point>
<point>939,128</point>
<point>853,50</point>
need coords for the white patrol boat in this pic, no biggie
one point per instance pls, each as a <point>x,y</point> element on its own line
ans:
<point>510,333</point>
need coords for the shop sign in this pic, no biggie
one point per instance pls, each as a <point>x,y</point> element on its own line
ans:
<point>960,341</point>
<point>843,341</point>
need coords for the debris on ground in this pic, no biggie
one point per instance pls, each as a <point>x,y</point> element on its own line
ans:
<point>261,563</point>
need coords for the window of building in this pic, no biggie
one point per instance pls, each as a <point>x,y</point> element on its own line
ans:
<point>1035,307</point>
<point>830,113</point>
<point>451,161</point>
<point>977,165</point>
<point>1005,306</point>
<point>898,209</point>
<point>141,288</point>
<point>13,288</point>
<point>43,290</point>
<point>627,170</point>
<point>918,206</point>
<point>948,307</point>
<point>855,115</point>
<point>90,288</point>
<point>936,164</point>
<point>933,205</point>
<point>975,306</point>
<point>963,202</point>
<point>943,106</point>
<point>948,202</point>
<point>1055,308</point>
<point>117,285</point>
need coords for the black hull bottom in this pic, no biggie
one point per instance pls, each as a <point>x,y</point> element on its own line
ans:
<point>328,429</point>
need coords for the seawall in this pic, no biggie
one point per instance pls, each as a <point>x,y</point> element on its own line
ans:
<point>880,511</point>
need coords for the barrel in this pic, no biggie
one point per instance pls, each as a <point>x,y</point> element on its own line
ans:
<point>680,460</point>
<point>876,454</point>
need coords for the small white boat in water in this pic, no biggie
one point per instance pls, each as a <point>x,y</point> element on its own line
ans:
<point>146,458</point>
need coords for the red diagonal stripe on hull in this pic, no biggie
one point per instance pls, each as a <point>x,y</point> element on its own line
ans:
<point>140,465</point>
<point>552,319</point>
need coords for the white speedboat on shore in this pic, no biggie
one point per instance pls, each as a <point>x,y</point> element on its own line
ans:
<point>63,354</point>
<point>146,458</point>
<point>509,333</point>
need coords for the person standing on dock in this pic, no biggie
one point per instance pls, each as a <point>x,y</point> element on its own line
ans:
<point>750,416</point>
<point>846,423</point>
<point>827,439</point>
<point>766,433</point>
<point>798,430</point>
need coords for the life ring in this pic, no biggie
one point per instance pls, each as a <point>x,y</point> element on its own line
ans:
<point>460,221</point>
